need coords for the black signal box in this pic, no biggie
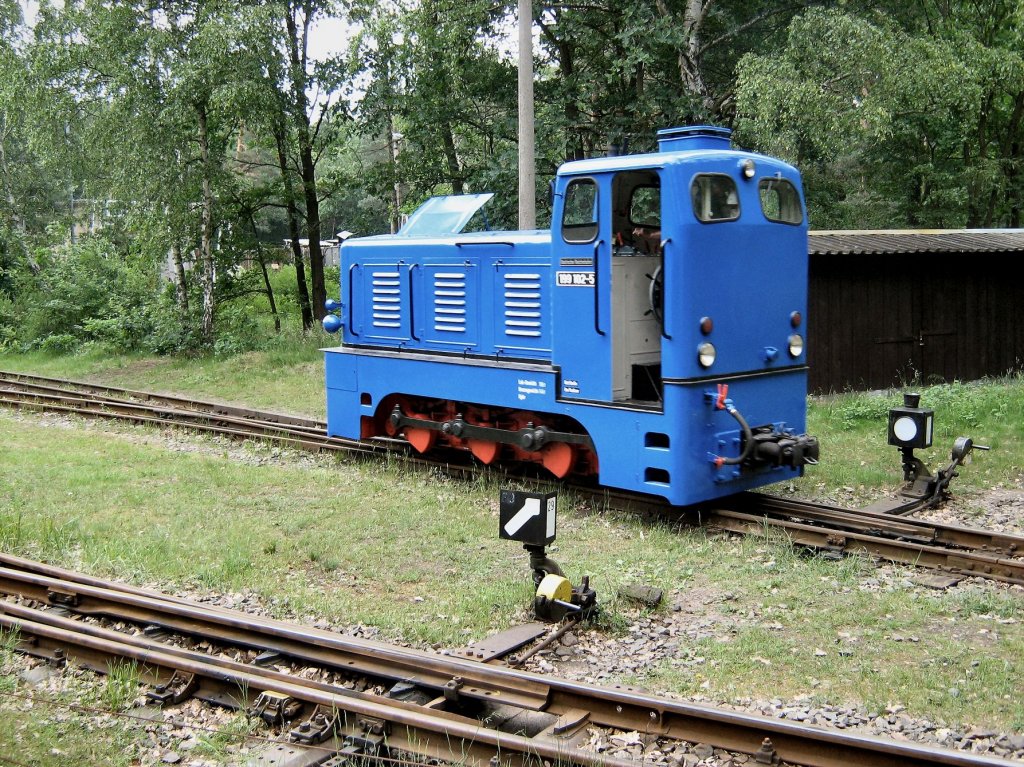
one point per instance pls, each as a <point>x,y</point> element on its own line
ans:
<point>910,426</point>
<point>527,517</point>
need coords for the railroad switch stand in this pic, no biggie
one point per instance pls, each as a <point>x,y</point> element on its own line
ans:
<point>910,427</point>
<point>529,518</point>
<point>557,599</point>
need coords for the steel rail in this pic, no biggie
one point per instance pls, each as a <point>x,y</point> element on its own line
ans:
<point>316,445</point>
<point>904,552</point>
<point>412,728</point>
<point>572,704</point>
<point>303,643</point>
<point>43,383</point>
<point>211,418</point>
<point>863,520</point>
<point>97,406</point>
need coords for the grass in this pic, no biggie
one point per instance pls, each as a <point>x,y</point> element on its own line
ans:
<point>45,729</point>
<point>416,555</point>
<point>857,463</point>
<point>121,686</point>
<point>955,657</point>
<point>215,745</point>
<point>50,735</point>
<point>287,376</point>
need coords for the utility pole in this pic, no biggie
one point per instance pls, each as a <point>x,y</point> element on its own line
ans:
<point>393,138</point>
<point>527,173</point>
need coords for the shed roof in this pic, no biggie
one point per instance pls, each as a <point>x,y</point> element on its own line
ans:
<point>898,241</point>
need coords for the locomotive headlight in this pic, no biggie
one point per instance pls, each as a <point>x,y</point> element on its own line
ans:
<point>706,354</point>
<point>796,345</point>
<point>747,168</point>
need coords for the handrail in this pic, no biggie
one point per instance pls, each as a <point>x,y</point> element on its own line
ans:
<point>597,292</point>
<point>664,293</point>
<point>412,311</point>
<point>351,326</point>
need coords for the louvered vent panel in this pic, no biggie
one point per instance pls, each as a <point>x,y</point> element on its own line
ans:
<point>523,305</point>
<point>387,300</point>
<point>450,302</point>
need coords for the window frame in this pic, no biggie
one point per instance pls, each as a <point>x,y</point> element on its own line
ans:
<point>766,181</point>
<point>596,222</point>
<point>735,188</point>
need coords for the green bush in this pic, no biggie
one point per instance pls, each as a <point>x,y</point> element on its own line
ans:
<point>848,411</point>
<point>237,331</point>
<point>8,323</point>
<point>87,291</point>
<point>95,293</point>
<point>171,333</point>
<point>62,343</point>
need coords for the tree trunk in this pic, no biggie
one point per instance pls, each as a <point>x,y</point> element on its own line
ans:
<point>267,287</point>
<point>307,164</point>
<point>180,288</point>
<point>396,196</point>
<point>206,246</point>
<point>451,157</point>
<point>689,56</point>
<point>293,226</point>
<point>976,209</point>
<point>1011,161</point>
<point>570,109</point>
<point>270,292</point>
<point>574,139</point>
<point>316,256</point>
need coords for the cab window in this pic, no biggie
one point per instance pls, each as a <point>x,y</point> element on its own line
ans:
<point>579,215</point>
<point>715,198</point>
<point>780,201</point>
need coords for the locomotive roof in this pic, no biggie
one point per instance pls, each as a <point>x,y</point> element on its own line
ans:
<point>664,159</point>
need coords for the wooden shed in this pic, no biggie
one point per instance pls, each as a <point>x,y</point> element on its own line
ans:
<point>890,307</point>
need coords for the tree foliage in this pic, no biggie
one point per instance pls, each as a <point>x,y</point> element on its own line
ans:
<point>199,134</point>
<point>896,124</point>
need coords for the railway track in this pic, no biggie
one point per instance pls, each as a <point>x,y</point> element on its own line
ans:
<point>23,391</point>
<point>434,706</point>
<point>951,549</point>
<point>956,551</point>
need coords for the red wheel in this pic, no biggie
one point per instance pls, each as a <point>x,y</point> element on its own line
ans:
<point>421,439</point>
<point>558,458</point>
<point>484,450</point>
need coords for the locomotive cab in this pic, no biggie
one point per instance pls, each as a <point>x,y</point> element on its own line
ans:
<point>608,239</point>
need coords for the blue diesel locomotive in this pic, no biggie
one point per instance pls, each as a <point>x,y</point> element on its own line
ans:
<point>653,338</point>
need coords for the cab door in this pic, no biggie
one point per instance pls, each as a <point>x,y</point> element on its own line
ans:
<point>581,243</point>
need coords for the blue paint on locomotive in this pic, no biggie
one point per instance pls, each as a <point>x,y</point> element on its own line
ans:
<point>559,322</point>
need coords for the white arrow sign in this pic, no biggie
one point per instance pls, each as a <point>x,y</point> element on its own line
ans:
<point>530,510</point>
